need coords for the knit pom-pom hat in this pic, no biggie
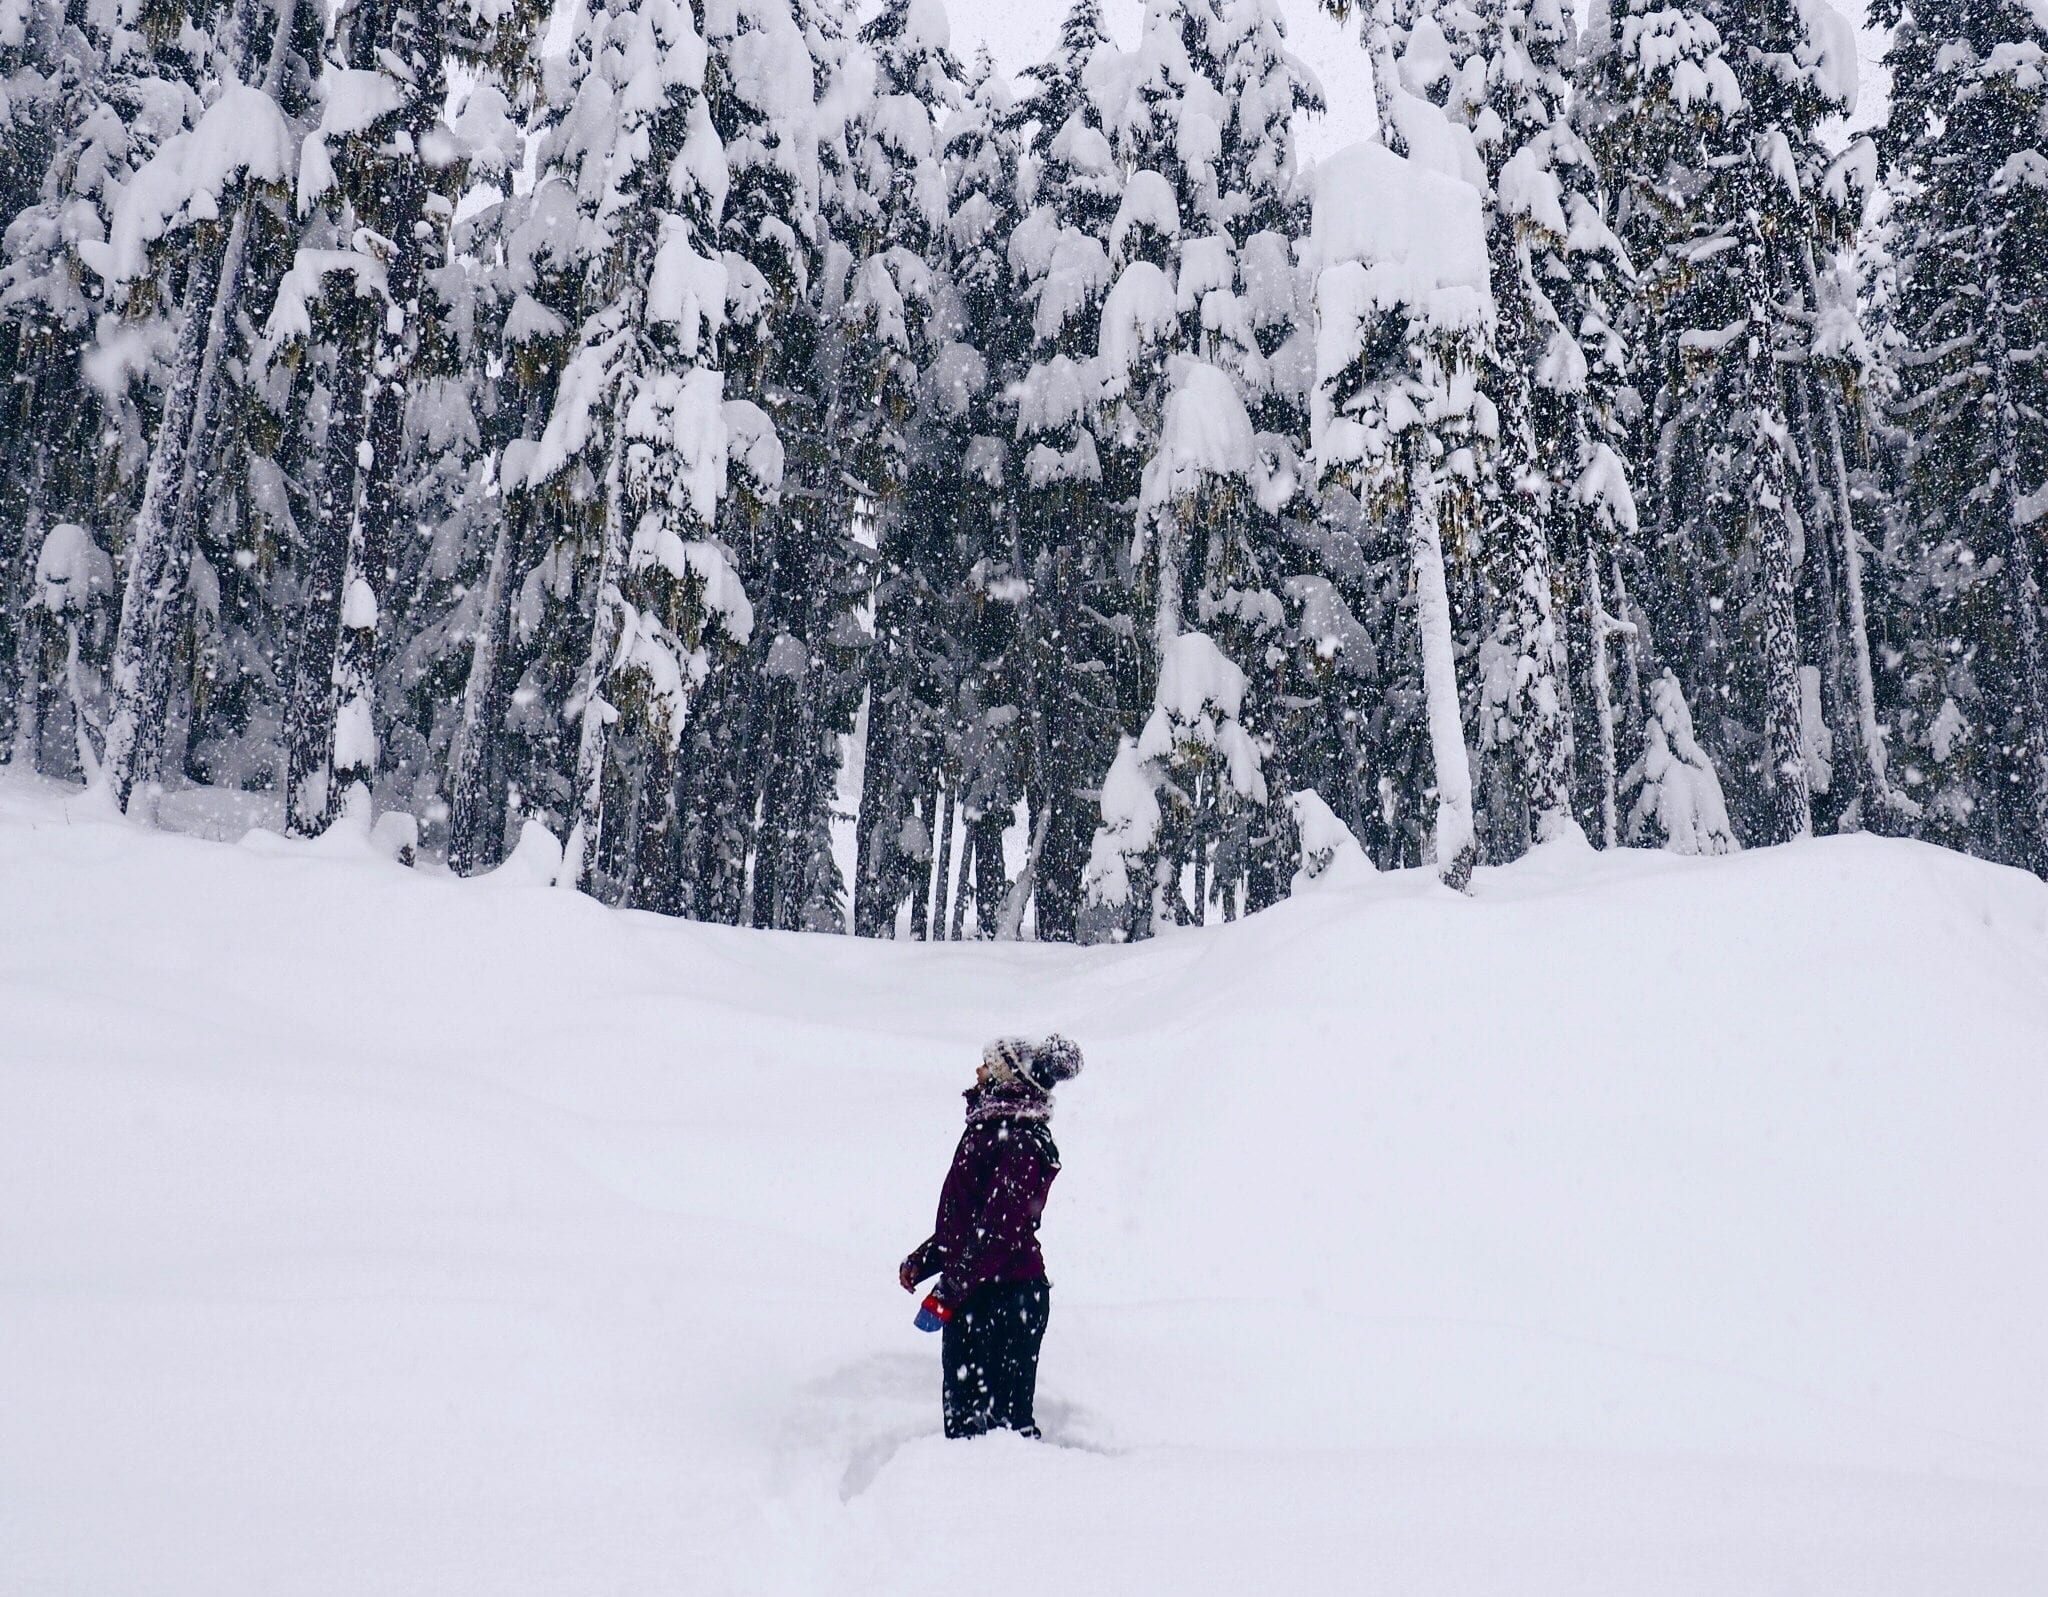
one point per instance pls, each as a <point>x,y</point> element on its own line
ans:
<point>1006,1058</point>
<point>1051,1062</point>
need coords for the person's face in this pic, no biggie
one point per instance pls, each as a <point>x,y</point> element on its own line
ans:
<point>981,1077</point>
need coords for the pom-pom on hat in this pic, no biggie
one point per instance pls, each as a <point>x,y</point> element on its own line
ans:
<point>1051,1062</point>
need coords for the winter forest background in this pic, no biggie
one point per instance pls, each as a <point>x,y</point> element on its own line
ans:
<point>832,485</point>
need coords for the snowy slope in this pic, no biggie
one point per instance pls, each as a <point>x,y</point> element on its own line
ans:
<point>1642,1226</point>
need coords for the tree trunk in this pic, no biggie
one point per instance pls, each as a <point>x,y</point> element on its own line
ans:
<point>942,869</point>
<point>655,883</point>
<point>2023,593</point>
<point>476,801</point>
<point>1631,621</point>
<point>964,887</point>
<point>607,618</point>
<point>1788,807</point>
<point>991,879</point>
<point>771,805</point>
<point>1060,846</point>
<point>1601,627</point>
<point>1456,847</point>
<point>1869,736</point>
<point>28,638</point>
<point>879,868</point>
<point>1540,707</point>
<point>1819,550</point>
<point>1010,919</point>
<point>82,728</point>
<point>1379,44</point>
<point>310,713</point>
<point>926,807</point>
<point>160,547</point>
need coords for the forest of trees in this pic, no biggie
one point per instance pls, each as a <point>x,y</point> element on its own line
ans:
<point>701,427</point>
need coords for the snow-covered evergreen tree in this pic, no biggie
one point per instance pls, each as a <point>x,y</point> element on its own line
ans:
<point>1963,154</point>
<point>73,581</point>
<point>516,305</point>
<point>1192,338</point>
<point>713,429</point>
<point>1549,271</point>
<point>1405,318</point>
<point>894,219</point>
<point>1706,122</point>
<point>134,170</point>
<point>1836,399</point>
<point>1678,800</point>
<point>194,200</point>
<point>1068,529</point>
<point>378,156</point>
<point>634,449</point>
<point>66,146</point>
<point>760,786</point>
<point>966,420</point>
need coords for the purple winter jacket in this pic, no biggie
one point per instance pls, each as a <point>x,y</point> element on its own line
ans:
<point>994,1194</point>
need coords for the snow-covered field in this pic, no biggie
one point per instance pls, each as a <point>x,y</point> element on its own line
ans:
<point>1640,1226</point>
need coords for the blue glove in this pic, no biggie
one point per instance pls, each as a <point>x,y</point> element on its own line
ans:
<point>932,1314</point>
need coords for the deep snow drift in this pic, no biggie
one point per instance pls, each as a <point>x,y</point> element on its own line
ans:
<point>1640,1225</point>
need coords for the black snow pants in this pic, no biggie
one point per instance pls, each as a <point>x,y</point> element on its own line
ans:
<point>991,1353</point>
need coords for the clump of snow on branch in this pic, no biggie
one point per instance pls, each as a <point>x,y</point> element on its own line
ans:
<point>1207,434</point>
<point>1130,826</point>
<point>71,571</point>
<point>243,135</point>
<point>352,101</point>
<point>1401,253</point>
<point>1201,692</point>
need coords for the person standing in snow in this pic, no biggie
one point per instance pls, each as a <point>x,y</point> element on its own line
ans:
<point>992,1298</point>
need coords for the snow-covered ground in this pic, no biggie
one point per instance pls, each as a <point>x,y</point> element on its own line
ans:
<point>1640,1226</point>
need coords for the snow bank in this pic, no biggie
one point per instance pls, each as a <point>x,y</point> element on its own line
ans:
<point>1640,1225</point>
